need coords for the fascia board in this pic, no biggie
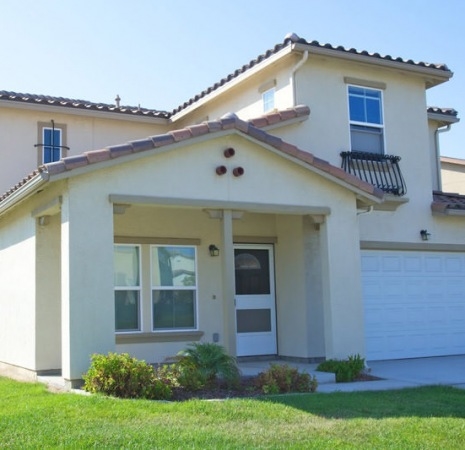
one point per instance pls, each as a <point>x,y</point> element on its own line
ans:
<point>31,187</point>
<point>443,118</point>
<point>220,204</point>
<point>439,76</point>
<point>230,84</point>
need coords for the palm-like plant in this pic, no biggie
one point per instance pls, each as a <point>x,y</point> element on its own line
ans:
<point>211,362</point>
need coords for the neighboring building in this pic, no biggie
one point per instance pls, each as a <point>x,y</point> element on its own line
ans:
<point>453,175</point>
<point>234,221</point>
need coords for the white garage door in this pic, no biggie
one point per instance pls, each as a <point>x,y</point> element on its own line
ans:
<point>414,303</point>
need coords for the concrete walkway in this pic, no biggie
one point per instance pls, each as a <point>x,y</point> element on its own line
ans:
<point>394,374</point>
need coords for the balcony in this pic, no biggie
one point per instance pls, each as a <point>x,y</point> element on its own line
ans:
<point>383,171</point>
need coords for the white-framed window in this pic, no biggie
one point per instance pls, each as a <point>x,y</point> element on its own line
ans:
<point>174,287</point>
<point>366,119</point>
<point>127,281</point>
<point>268,99</point>
<point>52,142</point>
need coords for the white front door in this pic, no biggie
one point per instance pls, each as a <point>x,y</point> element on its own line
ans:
<point>255,300</point>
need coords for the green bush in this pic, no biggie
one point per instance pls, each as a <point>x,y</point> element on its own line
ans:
<point>121,375</point>
<point>280,379</point>
<point>204,364</point>
<point>345,370</point>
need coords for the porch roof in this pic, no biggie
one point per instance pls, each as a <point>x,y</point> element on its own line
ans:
<point>229,123</point>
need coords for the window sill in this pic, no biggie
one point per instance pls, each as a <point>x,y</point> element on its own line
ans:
<point>168,336</point>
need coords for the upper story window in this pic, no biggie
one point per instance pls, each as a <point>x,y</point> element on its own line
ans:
<point>51,150</point>
<point>268,100</point>
<point>52,142</point>
<point>366,119</point>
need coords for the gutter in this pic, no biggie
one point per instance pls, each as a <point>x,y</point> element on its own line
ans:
<point>21,194</point>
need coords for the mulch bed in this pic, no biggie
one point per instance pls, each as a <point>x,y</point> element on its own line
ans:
<point>246,389</point>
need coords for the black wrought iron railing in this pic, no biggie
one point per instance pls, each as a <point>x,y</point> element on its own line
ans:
<point>383,171</point>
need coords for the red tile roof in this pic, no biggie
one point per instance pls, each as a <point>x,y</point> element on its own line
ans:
<point>21,183</point>
<point>227,122</point>
<point>444,111</point>
<point>81,104</point>
<point>444,201</point>
<point>292,39</point>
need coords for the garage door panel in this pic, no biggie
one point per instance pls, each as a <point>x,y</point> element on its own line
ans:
<point>391,264</point>
<point>412,264</point>
<point>414,304</point>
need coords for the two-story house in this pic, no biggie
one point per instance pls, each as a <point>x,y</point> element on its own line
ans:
<point>288,210</point>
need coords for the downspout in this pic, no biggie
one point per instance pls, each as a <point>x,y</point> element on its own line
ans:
<point>292,79</point>
<point>369,210</point>
<point>438,154</point>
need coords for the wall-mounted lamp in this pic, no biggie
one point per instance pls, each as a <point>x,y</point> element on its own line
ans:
<point>424,235</point>
<point>214,250</point>
<point>238,171</point>
<point>221,170</point>
<point>229,152</point>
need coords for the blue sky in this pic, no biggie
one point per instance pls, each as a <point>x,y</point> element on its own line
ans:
<point>160,53</point>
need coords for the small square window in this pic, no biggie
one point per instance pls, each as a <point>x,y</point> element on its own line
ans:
<point>268,100</point>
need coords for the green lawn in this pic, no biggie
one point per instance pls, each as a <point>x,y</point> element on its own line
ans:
<point>31,417</point>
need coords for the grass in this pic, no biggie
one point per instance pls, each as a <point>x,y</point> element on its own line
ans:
<point>433,417</point>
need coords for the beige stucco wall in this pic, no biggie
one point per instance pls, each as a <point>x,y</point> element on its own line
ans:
<point>326,134</point>
<point>19,133</point>
<point>245,99</point>
<point>17,281</point>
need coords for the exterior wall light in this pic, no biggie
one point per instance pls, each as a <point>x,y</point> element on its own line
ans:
<point>425,235</point>
<point>214,250</point>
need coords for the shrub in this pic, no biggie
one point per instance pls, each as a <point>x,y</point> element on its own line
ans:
<point>280,379</point>
<point>345,370</point>
<point>121,375</point>
<point>203,364</point>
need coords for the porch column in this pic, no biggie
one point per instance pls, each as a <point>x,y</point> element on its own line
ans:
<point>341,285</point>
<point>48,293</point>
<point>228,284</point>
<point>87,279</point>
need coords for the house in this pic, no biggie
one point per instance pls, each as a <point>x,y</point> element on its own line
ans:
<point>288,210</point>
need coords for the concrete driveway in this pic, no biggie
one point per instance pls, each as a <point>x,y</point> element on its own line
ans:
<point>394,374</point>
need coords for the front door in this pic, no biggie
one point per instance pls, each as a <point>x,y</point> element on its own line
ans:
<point>255,300</point>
